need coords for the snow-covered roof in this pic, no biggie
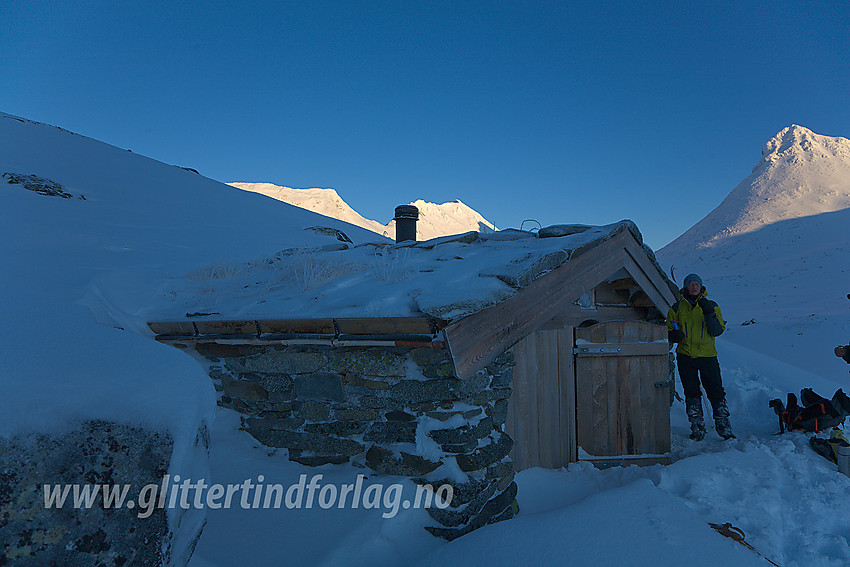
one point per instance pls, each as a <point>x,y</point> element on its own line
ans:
<point>448,277</point>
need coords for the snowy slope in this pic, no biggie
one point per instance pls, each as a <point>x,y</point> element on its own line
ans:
<point>775,251</point>
<point>131,223</point>
<point>434,220</point>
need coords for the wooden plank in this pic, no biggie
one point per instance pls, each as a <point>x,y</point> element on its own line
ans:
<point>567,396</point>
<point>510,427</point>
<point>297,326</point>
<point>532,433</point>
<point>655,285</point>
<point>385,326</point>
<point>606,294</point>
<point>627,460</point>
<point>602,398</point>
<point>584,396</point>
<point>244,327</point>
<point>573,316</point>
<point>625,349</point>
<point>549,423</point>
<point>173,328</point>
<point>623,284</point>
<point>518,407</point>
<point>476,340</point>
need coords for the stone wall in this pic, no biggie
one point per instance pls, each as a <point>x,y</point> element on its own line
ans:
<point>96,453</point>
<point>373,406</point>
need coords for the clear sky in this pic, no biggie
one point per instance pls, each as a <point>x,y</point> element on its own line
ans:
<point>563,112</point>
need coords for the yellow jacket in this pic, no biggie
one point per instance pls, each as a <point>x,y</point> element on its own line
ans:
<point>698,329</point>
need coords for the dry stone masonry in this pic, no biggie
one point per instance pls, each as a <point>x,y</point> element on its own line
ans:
<point>372,407</point>
<point>96,453</point>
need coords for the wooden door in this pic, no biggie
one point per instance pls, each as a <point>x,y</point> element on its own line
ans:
<point>541,410</point>
<point>622,389</point>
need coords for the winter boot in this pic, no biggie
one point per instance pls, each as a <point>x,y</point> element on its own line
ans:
<point>693,407</point>
<point>721,419</point>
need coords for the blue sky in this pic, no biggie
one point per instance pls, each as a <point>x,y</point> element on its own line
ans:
<point>563,112</point>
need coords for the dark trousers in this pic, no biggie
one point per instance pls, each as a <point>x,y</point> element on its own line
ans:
<point>705,369</point>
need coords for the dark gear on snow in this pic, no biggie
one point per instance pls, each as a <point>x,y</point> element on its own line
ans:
<point>738,535</point>
<point>693,407</point>
<point>828,448</point>
<point>816,414</point>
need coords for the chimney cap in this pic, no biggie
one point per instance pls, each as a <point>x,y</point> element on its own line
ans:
<point>406,212</point>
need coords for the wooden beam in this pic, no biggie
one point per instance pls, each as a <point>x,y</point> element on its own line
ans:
<point>475,341</point>
<point>297,326</point>
<point>385,326</point>
<point>622,349</point>
<point>373,326</point>
<point>648,277</point>
<point>173,328</point>
<point>227,327</point>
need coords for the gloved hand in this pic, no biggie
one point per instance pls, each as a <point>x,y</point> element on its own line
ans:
<point>675,336</point>
<point>707,306</point>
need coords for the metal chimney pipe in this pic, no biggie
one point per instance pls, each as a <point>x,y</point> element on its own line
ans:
<point>405,222</point>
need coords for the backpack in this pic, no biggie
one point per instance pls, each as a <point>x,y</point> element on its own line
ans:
<point>816,414</point>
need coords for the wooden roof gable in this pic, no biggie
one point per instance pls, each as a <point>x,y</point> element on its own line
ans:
<point>476,340</point>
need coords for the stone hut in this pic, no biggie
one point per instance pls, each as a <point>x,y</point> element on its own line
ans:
<point>498,351</point>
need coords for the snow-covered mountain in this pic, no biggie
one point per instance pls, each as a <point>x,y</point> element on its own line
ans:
<point>777,246</point>
<point>434,219</point>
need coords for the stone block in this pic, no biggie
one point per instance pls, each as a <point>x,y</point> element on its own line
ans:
<point>463,514</point>
<point>384,461</point>
<point>274,424</point>
<point>502,379</point>
<point>216,351</point>
<point>498,412</point>
<point>415,391</point>
<point>337,428</point>
<point>319,386</point>
<point>317,460</point>
<point>372,362</point>
<point>486,455</point>
<point>399,416</point>
<point>463,434</point>
<point>387,432</point>
<point>361,382</point>
<point>429,356</point>
<point>462,492</point>
<point>445,415</point>
<point>296,441</point>
<point>374,402</point>
<point>281,387</point>
<point>279,361</point>
<point>500,470</point>
<point>441,370</point>
<point>312,410</point>
<point>244,389</point>
<point>356,414</point>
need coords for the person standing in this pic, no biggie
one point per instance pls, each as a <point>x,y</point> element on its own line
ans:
<point>693,322</point>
